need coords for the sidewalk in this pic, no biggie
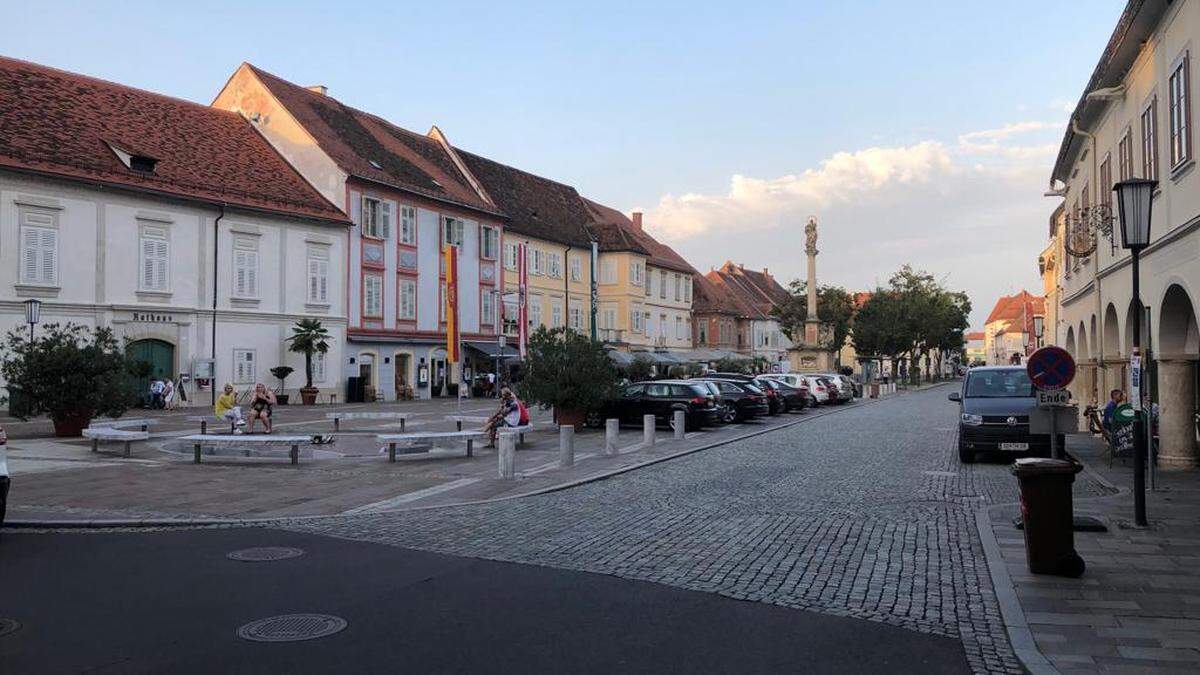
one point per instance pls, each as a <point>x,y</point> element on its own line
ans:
<point>1137,607</point>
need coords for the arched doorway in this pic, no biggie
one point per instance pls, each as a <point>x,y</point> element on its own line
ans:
<point>159,357</point>
<point>1070,343</point>
<point>1178,349</point>
<point>1112,333</point>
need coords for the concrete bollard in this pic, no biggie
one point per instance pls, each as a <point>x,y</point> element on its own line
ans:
<point>648,424</point>
<point>507,455</point>
<point>612,428</point>
<point>680,424</point>
<point>566,446</point>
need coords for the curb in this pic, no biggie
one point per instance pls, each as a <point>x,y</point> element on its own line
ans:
<point>209,522</point>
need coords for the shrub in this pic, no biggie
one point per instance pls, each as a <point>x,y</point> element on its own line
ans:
<point>640,370</point>
<point>567,371</point>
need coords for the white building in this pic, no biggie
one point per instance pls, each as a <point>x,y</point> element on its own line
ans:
<point>123,208</point>
<point>1136,119</point>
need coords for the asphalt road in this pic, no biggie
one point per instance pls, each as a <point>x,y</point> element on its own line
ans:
<point>172,602</point>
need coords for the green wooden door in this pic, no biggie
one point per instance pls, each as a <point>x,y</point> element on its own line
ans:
<point>160,355</point>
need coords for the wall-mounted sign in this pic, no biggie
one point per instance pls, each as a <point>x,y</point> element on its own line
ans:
<point>151,317</point>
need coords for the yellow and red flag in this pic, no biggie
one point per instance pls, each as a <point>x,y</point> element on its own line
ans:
<point>452,336</point>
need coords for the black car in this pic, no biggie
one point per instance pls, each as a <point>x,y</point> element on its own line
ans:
<point>661,399</point>
<point>994,408</point>
<point>792,398</point>
<point>743,400</point>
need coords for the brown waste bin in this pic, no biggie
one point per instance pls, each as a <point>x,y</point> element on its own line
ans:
<point>1048,515</point>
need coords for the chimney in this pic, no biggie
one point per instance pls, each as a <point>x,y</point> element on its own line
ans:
<point>767,273</point>
<point>637,220</point>
<point>319,88</point>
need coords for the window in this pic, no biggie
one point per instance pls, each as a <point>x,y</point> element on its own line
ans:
<point>1106,181</point>
<point>373,295</point>
<point>576,268</point>
<point>408,225</point>
<point>376,218</point>
<point>489,243</point>
<point>244,370</point>
<point>318,366</point>
<point>679,328</point>
<point>245,267</point>
<point>39,249</point>
<point>155,260</point>
<point>1179,93</point>
<point>442,302</point>
<point>510,256</point>
<point>535,311</point>
<point>1150,140</point>
<point>636,273</point>
<point>318,274</point>
<point>687,289</point>
<point>554,265</point>
<point>537,261</point>
<point>637,320</point>
<point>608,318</point>
<point>1125,156</point>
<point>575,316</point>
<point>556,313</point>
<point>487,310</point>
<point>608,271</point>
<point>452,231</point>
<point>649,283</point>
<point>703,332</point>
<point>678,288</point>
<point>662,285</point>
<point>408,300</point>
<point>662,325</point>
<point>509,322</point>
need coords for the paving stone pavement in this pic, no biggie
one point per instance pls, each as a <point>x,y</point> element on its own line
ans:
<point>865,514</point>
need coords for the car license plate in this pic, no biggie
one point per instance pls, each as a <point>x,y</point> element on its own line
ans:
<point>1014,446</point>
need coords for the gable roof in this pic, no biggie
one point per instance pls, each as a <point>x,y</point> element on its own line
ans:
<point>754,289</point>
<point>371,148</point>
<point>713,297</point>
<point>1019,307</point>
<point>625,231</point>
<point>536,206</point>
<point>67,125</point>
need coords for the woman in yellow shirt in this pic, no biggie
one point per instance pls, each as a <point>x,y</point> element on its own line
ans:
<point>226,408</point>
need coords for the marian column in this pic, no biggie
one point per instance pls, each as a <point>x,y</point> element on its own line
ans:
<point>812,324</point>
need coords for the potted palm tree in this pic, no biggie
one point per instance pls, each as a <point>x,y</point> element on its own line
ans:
<point>309,337</point>
<point>281,373</point>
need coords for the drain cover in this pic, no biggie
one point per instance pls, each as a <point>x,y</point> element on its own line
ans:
<point>9,626</point>
<point>265,553</point>
<point>291,628</point>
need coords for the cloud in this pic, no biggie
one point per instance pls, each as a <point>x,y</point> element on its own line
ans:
<point>970,212</point>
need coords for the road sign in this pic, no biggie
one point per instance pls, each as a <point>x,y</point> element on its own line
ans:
<point>1050,368</point>
<point>1055,398</point>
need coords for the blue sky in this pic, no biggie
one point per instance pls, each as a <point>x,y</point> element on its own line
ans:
<point>924,128</point>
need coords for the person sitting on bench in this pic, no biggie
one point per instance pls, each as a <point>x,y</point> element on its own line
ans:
<point>510,415</point>
<point>226,408</point>
<point>262,404</point>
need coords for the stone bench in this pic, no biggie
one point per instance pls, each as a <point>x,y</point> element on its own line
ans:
<point>233,440</point>
<point>411,439</point>
<point>143,423</point>
<point>125,436</point>
<point>519,431</point>
<point>337,417</point>
<point>476,419</point>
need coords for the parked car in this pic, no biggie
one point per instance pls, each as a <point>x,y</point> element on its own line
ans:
<point>787,397</point>
<point>4,480</point>
<point>846,387</point>
<point>994,408</point>
<point>820,390</point>
<point>743,400</point>
<point>718,398</point>
<point>661,399</point>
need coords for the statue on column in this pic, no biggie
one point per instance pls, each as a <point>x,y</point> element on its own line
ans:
<point>810,235</point>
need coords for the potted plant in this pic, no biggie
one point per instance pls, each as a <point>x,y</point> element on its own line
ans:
<point>70,373</point>
<point>309,337</point>
<point>565,370</point>
<point>281,373</point>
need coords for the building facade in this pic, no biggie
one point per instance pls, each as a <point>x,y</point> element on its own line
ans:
<point>1136,119</point>
<point>758,294</point>
<point>110,219</point>
<point>1008,332</point>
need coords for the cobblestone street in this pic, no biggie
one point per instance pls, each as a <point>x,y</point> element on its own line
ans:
<point>863,514</point>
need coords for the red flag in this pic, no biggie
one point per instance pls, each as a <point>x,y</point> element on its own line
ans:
<point>452,354</point>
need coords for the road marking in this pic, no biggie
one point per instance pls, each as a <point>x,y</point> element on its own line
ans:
<point>554,465</point>
<point>411,496</point>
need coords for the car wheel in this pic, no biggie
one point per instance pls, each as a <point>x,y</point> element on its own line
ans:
<point>965,455</point>
<point>729,416</point>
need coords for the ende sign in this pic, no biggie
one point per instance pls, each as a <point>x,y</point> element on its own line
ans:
<point>1053,399</point>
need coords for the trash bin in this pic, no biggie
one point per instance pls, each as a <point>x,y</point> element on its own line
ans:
<point>1047,515</point>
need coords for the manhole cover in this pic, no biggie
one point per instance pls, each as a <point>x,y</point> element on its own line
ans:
<point>291,628</point>
<point>265,553</point>
<point>9,626</point>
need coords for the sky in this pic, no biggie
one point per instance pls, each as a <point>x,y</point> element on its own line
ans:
<point>915,131</point>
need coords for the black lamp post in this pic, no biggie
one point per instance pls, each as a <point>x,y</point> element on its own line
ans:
<point>33,314</point>
<point>1134,200</point>
<point>1039,325</point>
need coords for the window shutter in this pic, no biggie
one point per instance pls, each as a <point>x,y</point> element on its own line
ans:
<point>49,256</point>
<point>162,266</point>
<point>239,273</point>
<point>385,215</point>
<point>323,280</point>
<point>252,273</point>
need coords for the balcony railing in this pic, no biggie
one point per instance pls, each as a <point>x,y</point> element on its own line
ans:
<point>611,334</point>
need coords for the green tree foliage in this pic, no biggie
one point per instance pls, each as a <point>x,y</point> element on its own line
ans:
<point>640,370</point>
<point>835,307</point>
<point>567,371</point>
<point>67,372</point>
<point>308,337</point>
<point>731,365</point>
<point>281,373</point>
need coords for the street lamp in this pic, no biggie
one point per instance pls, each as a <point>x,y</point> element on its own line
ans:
<point>1134,200</point>
<point>33,314</point>
<point>1039,325</point>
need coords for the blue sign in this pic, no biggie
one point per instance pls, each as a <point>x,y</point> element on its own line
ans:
<point>1051,368</point>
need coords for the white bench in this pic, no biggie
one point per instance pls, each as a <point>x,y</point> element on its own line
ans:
<point>337,417</point>
<point>409,439</point>
<point>125,436</point>
<point>143,423</point>
<point>476,419</point>
<point>232,440</point>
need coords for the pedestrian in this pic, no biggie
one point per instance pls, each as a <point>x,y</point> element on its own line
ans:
<point>491,385</point>
<point>509,415</point>
<point>226,408</point>
<point>262,405</point>
<point>1115,398</point>
<point>154,400</point>
<point>168,395</point>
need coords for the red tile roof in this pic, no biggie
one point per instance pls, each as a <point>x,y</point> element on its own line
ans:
<point>1017,307</point>
<point>623,232</point>
<point>711,296</point>
<point>757,292</point>
<point>371,148</point>
<point>975,335</point>
<point>64,124</point>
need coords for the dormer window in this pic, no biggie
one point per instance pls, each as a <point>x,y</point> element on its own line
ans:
<point>133,160</point>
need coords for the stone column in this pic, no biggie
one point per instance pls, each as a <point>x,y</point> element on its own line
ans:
<point>1082,388</point>
<point>812,325</point>
<point>1176,415</point>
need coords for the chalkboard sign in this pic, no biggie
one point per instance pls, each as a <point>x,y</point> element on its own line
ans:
<point>1122,440</point>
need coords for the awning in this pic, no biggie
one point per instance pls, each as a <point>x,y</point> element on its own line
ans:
<point>492,350</point>
<point>620,358</point>
<point>658,358</point>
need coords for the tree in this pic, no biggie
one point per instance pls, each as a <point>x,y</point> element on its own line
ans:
<point>309,337</point>
<point>640,369</point>
<point>835,307</point>
<point>567,371</point>
<point>281,373</point>
<point>70,373</point>
<point>731,365</point>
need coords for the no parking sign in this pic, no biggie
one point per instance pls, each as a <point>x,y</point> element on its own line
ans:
<point>1050,368</point>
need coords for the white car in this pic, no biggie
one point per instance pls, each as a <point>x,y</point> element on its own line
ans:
<point>844,385</point>
<point>818,394</point>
